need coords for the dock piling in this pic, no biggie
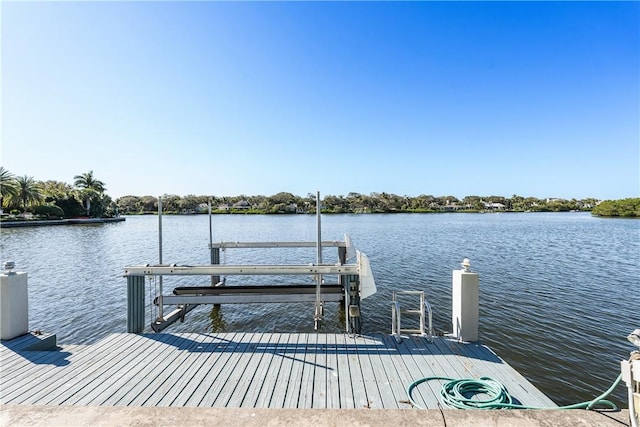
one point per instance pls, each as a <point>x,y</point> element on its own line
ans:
<point>14,304</point>
<point>464,301</point>
<point>135,304</point>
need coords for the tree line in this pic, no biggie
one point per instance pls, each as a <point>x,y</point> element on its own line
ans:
<point>24,196</point>
<point>285,202</point>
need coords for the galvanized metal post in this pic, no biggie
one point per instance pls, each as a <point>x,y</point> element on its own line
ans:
<point>214,252</point>
<point>319,227</point>
<point>318,312</point>
<point>135,304</point>
<point>160,306</point>
<point>342,257</point>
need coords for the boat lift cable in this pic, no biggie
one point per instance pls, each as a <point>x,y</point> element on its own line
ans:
<point>454,394</point>
<point>153,292</point>
<point>150,303</point>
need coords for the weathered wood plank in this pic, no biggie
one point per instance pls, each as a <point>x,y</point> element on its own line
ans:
<point>308,372</point>
<point>15,359</point>
<point>251,378</point>
<point>364,348</point>
<point>64,381</point>
<point>360,398</point>
<point>219,378</point>
<point>239,382</point>
<point>253,370</point>
<point>320,373</point>
<point>333,386</point>
<point>173,376</point>
<point>516,384</point>
<point>285,374</point>
<point>262,384</point>
<point>166,361</point>
<point>294,382</point>
<point>383,379</point>
<point>128,371</point>
<point>345,387</point>
<point>33,367</point>
<point>191,385</point>
<point>415,367</point>
<point>137,382</point>
<point>444,357</point>
<point>275,386</point>
<point>399,374</point>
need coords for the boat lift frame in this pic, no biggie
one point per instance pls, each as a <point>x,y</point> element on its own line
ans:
<point>356,282</point>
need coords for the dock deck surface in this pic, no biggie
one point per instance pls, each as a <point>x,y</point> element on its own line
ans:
<point>250,370</point>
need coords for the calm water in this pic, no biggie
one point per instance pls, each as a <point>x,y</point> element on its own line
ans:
<point>559,292</point>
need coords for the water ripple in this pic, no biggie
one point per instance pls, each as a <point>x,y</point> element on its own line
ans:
<point>559,292</point>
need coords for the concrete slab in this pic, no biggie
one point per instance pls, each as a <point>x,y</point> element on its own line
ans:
<point>99,416</point>
<point>534,418</point>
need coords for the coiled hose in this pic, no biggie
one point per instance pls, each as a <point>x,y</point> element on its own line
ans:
<point>453,393</point>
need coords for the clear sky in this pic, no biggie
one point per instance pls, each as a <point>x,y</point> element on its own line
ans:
<point>224,98</point>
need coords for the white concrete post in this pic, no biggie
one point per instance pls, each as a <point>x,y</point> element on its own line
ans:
<point>14,303</point>
<point>464,303</point>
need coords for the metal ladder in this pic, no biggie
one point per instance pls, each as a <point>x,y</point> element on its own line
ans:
<point>423,310</point>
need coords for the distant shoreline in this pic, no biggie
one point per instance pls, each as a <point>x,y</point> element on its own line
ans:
<point>94,221</point>
<point>52,222</point>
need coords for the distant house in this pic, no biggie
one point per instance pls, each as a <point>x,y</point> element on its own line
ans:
<point>242,204</point>
<point>294,208</point>
<point>223,207</point>
<point>450,207</point>
<point>494,206</point>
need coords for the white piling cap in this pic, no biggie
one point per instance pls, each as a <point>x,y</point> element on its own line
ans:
<point>8,268</point>
<point>466,265</point>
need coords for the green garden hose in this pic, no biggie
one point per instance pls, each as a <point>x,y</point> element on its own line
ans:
<point>453,393</point>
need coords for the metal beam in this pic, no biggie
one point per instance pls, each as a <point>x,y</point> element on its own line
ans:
<point>247,298</point>
<point>241,270</point>
<point>257,289</point>
<point>171,318</point>
<point>325,244</point>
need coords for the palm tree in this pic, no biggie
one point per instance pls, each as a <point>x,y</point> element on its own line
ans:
<point>89,186</point>
<point>28,191</point>
<point>86,180</point>
<point>8,186</point>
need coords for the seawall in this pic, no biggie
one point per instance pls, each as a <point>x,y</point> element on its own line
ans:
<point>70,221</point>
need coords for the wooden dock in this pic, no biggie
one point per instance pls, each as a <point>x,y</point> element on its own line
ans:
<point>249,370</point>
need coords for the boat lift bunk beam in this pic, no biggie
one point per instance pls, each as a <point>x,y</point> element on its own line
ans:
<point>252,294</point>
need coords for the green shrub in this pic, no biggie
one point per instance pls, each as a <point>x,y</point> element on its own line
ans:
<point>49,211</point>
<point>624,208</point>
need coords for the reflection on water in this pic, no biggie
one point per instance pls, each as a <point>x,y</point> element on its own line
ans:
<point>217,321</point>
<point>558,292</point>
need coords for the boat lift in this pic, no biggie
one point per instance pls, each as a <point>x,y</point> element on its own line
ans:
<point>354,282</point>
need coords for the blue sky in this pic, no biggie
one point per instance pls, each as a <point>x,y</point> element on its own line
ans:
<point>221,98</point>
